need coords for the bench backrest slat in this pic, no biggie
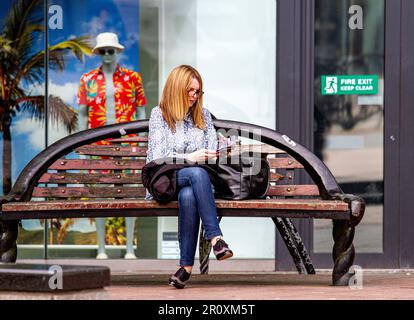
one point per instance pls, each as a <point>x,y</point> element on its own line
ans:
<point>286,163</point>
<point>132,139</point>
<point>92,192</point>
<point>80,178</point>
<point>114,151</point>
<point>122,164</point>
<point>97,164</point>
<point>108,178</point>
<point>293,190</point>
<point>121,192</point>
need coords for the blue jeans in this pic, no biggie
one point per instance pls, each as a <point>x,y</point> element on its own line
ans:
<point>195,201</point>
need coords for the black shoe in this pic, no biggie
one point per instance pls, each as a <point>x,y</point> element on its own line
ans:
<point>180,278</point>
<point>221,250</point>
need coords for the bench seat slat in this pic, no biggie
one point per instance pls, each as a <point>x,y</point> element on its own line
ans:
<point>286,204</point>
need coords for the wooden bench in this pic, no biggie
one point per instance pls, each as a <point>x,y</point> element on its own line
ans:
<point>55,184</point>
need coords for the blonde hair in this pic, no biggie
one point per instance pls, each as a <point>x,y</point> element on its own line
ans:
<point>174,100</point>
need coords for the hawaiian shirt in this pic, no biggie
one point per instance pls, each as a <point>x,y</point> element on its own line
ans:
<point>128,92</point>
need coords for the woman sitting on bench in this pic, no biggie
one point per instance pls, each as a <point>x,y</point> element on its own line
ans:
<point>181,127</point>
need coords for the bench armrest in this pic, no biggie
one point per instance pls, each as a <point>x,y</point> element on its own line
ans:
<point>356,206</point>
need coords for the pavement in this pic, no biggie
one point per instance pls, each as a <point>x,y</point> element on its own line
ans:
<point>238,280</point>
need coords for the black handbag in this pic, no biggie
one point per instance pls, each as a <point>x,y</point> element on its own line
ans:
<point>242,176</point>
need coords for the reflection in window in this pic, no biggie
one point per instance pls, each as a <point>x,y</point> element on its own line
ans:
<point>348,132</point>
<point>97,88</point>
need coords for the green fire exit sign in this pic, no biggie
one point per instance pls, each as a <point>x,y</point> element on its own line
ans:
<point>354,84</point>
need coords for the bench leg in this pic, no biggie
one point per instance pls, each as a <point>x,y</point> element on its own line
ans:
<point>295,245</point>
<point>8,237</point>
<point>343,252</point>
<point>303,252</point>
<point>204,250</point>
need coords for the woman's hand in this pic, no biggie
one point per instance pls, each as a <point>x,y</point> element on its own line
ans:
<point>201,155</point>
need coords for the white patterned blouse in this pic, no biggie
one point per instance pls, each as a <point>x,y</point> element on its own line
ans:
<point>187,138</point>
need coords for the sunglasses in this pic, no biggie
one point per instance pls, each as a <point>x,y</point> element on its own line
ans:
<point>104,51</point>
<point>193,93</point>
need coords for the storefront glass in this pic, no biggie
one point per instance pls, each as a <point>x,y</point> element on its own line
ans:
<point>349,126</point>
<point>82,22</point>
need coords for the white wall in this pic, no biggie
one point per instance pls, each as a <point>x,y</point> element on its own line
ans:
<point>236,54</point>
<point>178,43</point>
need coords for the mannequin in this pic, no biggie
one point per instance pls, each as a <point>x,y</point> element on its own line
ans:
<point>104,97</point>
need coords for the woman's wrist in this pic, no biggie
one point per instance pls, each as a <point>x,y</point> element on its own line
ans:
<point>188,157</point>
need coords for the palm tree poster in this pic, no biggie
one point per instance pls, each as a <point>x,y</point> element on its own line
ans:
<point>22,72</point>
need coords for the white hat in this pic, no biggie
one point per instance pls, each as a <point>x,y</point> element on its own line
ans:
<point>107,39</point>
